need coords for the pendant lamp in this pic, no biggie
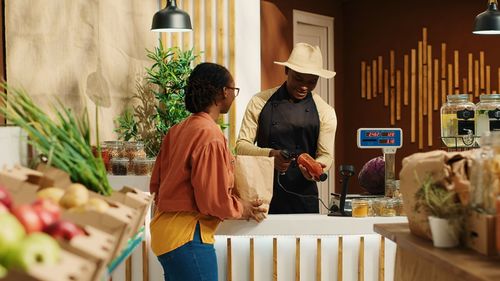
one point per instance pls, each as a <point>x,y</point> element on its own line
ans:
<point>488,22</point>
<point>171,19</point>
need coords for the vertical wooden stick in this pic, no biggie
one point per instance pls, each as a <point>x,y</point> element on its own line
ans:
<point>128,269</point>
<point>498,79</point>
<point>456,79</point>
<point>429,77</point>
<point>381,258</point>
<point>392,106</point>
<point>405,79</point>
<point>186,38</point>
<point>232,68</point>
<point>464,84</point>
<point>340,262</point>
<point>413,94</point>
<point>363,79</point>
<point>450,79</point>
<point>145,260</point>
<point>476,78</point>
<point>275,259</point>
<point>488,75</point>
<point>197,29</point>
<point>392,68</point>
<point>420,99</point>
<point>229,260</point>
<point>470,65</point>
<point>424,87</point>
<point>380,73</point>
<point>398,95</point>
<point>252,260</point>
<point>424,45</point>
<point>436,84</point>
<point>361,259</point>
<point>444,70</point>
<point>481,70</point>
<point>429,118</point>
<point>297,259</point>
<point>374,78</point>
<point>209,56</point>
<point>318,259</point>
<point>386,87</point>
<point>220,31</point>
<point>368,82</point>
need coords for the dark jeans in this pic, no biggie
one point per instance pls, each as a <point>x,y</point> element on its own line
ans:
<point>193,261</point>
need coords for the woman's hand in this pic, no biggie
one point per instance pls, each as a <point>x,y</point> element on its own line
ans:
<point>306,174</point>
<point>253,210</point>
<point>280,163</point>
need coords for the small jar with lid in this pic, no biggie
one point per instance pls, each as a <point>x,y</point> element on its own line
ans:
<point>488,114</point>
<point>135,150</point>
<point>115,150</point>
<point>359,208</point>
<point>119,166</point>
<point>457,121</point>
<point>389,208</point>
<point>143,167</point>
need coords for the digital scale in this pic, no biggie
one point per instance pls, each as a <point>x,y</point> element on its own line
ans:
<point>387,139</point>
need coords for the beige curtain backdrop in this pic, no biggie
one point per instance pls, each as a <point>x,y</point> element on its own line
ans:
<point>79,51</point>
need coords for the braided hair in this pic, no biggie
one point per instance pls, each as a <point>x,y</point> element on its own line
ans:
<point>204,84</point>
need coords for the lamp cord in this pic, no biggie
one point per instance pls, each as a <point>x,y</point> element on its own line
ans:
<point>297,194</point>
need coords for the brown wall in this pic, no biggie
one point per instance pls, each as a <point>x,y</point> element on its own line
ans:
<point>365,29</point>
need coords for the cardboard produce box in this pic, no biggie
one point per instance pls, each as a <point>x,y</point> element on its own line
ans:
<point>137,200</point>
<point>481,233</point>
<point>70,268</point>
<point>22,183</point>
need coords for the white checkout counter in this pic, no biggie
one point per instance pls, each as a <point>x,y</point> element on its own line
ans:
<point>275,243</point>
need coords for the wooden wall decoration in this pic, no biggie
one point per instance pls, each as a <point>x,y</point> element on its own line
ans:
<point>428,76</point>
<point>213,36</point>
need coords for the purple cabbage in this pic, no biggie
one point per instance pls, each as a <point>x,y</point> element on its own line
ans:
<point>372,176</point>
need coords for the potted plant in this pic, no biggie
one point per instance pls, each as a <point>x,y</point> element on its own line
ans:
<point>446,213</point>
<point>159,101</point>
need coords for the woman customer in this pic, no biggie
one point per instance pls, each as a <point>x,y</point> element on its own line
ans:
<point>193,181</point>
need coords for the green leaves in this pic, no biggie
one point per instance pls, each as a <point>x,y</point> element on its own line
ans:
<point>65,140</point>
<point>438,201</point>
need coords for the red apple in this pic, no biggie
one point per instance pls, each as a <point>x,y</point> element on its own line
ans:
<point>5,198</point>
<point>48,211</point>
<point>64,230</point>
<point>28,217</point>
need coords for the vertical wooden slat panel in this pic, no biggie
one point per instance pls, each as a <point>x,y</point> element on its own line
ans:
<point>165,36</point>
<point>363,79</point>
<point>340,258</point>
<point>498,79</point>
<point>374,78</point>
<point>252,260</point>
<point>232,68</point>
<point>424,87</point>
<point>275,259</point>
<point>424,45</point>
<point>481,70</point>
<point>420,99</point>
<point>470,65</point>
<point>197,29</point>
<point>488,77</point>
<point>450,79</point>
<point>229,260</point>
<point>186,37</point>
<point>297,259</point>
<point>128,269</point>
<point>436,84</point>
<point>476,78</point>
<point>443,60</point>
<point>361,259</point>
<point>456,79</point>
<point>380,73</point>
<point>413,92</point>
<point>393,84</point>
<point>381,258</point>
<point>398,95</point>
<point>429,78</point>
<point>386,87</point>
<point>368,82</point>
<point>405,79</point>
<point>209,56</point>
<point>464,85</point>
<point>392,105</point>
<point>318,259</point>
<point>220,31</point>
<point>145,260</point>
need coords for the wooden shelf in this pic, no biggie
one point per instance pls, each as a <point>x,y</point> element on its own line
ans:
<point>461,263</point>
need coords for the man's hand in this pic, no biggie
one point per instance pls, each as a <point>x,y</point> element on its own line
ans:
<point>253,210</point>
<point>280,163</point>
<point>306,174</point>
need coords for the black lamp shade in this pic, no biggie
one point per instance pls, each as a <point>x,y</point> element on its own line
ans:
<point>171,19</point>
<point>488,22</point>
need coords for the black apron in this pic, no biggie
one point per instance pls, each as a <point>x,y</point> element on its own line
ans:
<point>291,125</point>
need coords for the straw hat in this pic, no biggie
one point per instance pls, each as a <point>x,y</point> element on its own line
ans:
<point>307,59</point>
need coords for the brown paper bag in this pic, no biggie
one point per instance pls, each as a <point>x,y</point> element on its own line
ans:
<point>253,178</point>
<point>448,168</point>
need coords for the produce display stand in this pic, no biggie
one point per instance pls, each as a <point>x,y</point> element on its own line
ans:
<point>418,259</point>
<point>131,246</point>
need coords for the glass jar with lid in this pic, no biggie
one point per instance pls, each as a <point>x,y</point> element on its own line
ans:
<point>115,150</point>
<point>135,150</point>
<point>359,208</point>
<point>457,121</point>
<point>488,114</point>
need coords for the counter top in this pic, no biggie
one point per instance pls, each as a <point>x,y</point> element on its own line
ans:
<point>305,224</point>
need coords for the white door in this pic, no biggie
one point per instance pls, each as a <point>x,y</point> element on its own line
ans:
<point>317,30</point>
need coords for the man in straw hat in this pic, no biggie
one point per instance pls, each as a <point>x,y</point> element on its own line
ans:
<point>291,117</point>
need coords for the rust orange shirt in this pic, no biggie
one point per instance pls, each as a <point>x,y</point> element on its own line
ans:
<point>193,181</point>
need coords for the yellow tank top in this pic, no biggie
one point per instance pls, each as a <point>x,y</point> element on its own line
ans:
<point>169,231</point>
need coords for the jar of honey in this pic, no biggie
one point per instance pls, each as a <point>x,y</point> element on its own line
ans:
<point>359,208</point>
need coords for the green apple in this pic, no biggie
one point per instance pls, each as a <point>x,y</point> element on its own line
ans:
<point>11,233</point>
<point>36,249</point>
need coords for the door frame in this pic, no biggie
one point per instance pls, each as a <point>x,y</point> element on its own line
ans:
<point>327,22</point>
